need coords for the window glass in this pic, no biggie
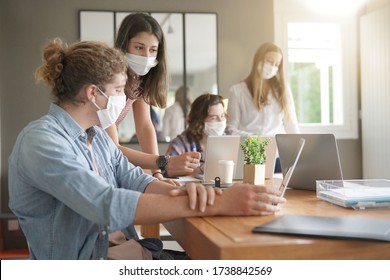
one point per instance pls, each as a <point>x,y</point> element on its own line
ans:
<point>313,55</point>
<point>319,42</point>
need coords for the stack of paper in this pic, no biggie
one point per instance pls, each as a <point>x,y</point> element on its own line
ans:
<point>358,194</point>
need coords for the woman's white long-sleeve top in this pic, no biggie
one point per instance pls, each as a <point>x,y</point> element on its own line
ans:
<point>270,120</point>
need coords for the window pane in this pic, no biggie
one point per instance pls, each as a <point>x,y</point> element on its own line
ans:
<point>313,54</point>
<point>305,79</point>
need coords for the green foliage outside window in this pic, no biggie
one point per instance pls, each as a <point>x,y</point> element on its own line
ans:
<point>305,84</point>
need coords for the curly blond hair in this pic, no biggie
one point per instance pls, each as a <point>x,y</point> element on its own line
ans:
<point>66,69</point>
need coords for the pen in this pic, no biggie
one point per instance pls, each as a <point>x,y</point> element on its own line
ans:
<point>193,146</point>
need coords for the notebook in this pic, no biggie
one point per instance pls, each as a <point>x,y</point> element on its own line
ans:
<point>217,148</point>
<point>335,227</point>
<point>270,151</point>
<point>319,159</point>
<point>357,194</point>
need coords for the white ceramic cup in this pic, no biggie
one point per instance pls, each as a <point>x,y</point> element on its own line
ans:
<point>226,168</point>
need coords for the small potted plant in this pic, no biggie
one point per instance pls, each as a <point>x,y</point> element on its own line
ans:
<point>254,159</point>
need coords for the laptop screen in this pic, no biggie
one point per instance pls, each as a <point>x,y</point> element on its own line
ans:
<point>219,148</point>
<point>318,161</point>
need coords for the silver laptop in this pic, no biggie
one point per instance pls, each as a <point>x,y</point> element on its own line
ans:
<point>270,150</point>
<point>217,148</point>
<point>319,159</point>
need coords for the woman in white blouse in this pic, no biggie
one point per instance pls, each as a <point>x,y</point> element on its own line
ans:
<point>262,104</point>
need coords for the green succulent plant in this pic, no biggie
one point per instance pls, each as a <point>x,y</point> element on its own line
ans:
<point>254,150</point>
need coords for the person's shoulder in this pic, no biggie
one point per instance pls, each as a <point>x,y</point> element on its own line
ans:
<point>182,137</point>
<point>174,110</point>
<point>176,106</point>
<point>238,85</point>
<point>178,145</point>
<point>38,126</point>
<point>43,133</point>
<point>167,119</point>
<point>238,88</point>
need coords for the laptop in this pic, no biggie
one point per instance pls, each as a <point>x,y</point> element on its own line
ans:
<point>270,151</point>
<point>223,147</point>
<point>318,161</point>
<point>328,227</point>
<point>286,179</point>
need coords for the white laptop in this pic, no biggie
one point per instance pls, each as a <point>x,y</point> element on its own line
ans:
<point>319,160</point>
<point>270,151</point>
<point>223,147</point>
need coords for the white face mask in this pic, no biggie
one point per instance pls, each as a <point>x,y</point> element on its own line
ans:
<point>269,71</point>
<point>115,105</point>
<point>215,128</point>
<point>141,64</point>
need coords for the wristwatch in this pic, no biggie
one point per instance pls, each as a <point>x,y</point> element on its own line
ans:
<point>162,162</point>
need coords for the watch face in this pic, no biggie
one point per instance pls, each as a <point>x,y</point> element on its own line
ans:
<point>162,161</point>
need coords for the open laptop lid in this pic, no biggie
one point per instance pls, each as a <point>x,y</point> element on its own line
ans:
<point>217,148</point>
<point>270,151</point>
<point>318,161</point>
<point>290,170</point>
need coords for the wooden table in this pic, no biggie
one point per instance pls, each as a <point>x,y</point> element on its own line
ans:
<point>153,230</point>
<point>231,237</point>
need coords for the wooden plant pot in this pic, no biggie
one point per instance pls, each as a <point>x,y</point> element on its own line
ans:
<point>254,174</point>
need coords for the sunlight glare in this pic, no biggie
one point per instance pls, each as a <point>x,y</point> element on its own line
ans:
<point>336,6</point>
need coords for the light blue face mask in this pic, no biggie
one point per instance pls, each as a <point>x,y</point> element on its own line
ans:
<point>141,65</point>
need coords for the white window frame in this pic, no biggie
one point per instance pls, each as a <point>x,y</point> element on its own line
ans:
<point>286,11</point>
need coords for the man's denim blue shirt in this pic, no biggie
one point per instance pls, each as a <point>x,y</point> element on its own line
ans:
<point>66,209</point>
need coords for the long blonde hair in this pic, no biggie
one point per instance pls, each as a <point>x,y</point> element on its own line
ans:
<point>256,83</point>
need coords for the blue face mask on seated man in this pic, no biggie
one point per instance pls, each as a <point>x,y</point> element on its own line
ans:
<point>215,128</point>
<point>115,105</point>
